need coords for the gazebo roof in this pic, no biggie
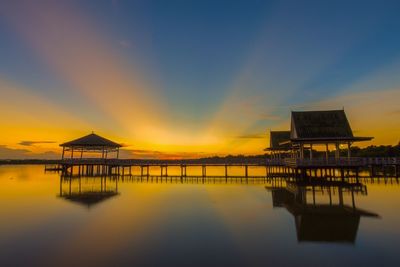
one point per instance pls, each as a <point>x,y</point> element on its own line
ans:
<point>91,140</point>
<point>322,126</point>
<point>276,138</point>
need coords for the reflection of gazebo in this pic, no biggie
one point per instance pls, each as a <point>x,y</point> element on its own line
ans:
<point>88,191</point>
<point>320,222</point>
<point>91,143</point>
<point>275,146</point>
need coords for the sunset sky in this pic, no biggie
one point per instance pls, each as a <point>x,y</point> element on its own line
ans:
<point>172,79</point>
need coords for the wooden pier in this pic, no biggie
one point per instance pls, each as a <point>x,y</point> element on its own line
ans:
<point>342,167</point>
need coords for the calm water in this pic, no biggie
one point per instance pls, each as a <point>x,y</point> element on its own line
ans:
<point>91,222</point>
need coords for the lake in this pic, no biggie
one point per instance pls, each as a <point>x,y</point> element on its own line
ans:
<point>48,221</point>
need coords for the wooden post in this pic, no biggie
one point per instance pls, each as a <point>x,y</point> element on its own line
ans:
<point>327,152</point>
<point>117,153</point>
<point>62,156</point>
<point>310,151</point>
<point>348,150</point>
<point>337,151</point>
<point>302,151</point>
<point>72,153</point>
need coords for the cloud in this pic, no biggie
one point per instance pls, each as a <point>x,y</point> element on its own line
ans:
<point>15,153</point>
<point>252,136</point>
<point>124,43</point>
<point>31,143</point>
<point>268,116</point>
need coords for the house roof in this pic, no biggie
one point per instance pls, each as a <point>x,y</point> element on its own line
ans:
<point>320,124</point>
<point>277,137</point>
<point>91,140</point>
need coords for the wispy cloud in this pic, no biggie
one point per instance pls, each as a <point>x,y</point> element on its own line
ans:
<point>252,136</point>
<point>31,143</point>
<point>12,153</point>
<point>270,117</point>
<point>125,43</point>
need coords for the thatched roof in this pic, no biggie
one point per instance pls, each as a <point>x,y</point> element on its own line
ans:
<point>91,140</point>
<point>322,125</point>
<point>277,137</point>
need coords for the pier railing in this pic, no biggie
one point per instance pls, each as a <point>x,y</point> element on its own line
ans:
<point>340,162</point>
<point>139,162</point>
<point>288,162</point>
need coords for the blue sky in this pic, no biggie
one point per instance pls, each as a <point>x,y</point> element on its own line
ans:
<point>207,72</point>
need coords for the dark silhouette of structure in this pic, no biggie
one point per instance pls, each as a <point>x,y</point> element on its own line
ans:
<point>311,128</point>
<point>320,221</point>
<point>91,143</point>
<point>278,144</point>
<point>89,191</point>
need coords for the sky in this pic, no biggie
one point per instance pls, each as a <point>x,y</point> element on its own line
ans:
<point>184,79</point>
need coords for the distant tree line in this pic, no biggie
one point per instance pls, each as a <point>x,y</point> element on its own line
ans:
<point>370,151</point>
<point>376,151</point>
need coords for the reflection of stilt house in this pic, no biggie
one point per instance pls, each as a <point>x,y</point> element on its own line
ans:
<point>309,129</point>
<point>278,144</point>
<point>318,219</point>
<point>88,191</point>
<point>90,144</point>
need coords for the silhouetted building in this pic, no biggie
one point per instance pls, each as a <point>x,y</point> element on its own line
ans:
<point>311,128</point>
<point>279,143</point>
<point>91,143</point>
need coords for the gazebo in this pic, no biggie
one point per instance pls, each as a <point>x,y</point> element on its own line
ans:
<point>312,128</point>
<point>275,147</point>
<point>91,143</point>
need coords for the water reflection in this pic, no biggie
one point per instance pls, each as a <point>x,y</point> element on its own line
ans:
<point>319,209</point>
<point>186,221</point>
<point>88,191</point>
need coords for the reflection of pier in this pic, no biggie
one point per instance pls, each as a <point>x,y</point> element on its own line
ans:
<point>88,191</point>
<point>320,211</point>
